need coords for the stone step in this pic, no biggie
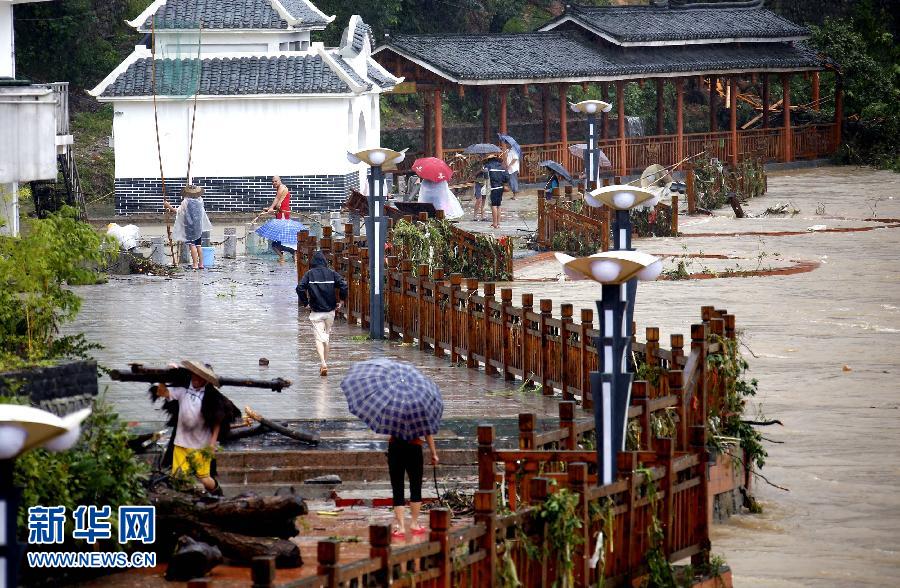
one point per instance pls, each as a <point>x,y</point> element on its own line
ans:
<point>328,459</point>
<point>297,474</point>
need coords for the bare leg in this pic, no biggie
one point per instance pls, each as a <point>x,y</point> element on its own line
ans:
<point>208,483</point>
<point>495,216</point>
<point>414,508</point>
<point>194,256</point>
<point>399,515</point>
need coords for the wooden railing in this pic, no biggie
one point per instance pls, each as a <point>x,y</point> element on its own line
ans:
<point>810,142</point>
<point>514,483</point>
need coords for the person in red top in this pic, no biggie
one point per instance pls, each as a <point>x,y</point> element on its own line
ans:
<point>281,205</point>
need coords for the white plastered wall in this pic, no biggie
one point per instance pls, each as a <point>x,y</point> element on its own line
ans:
<point>7,54</point>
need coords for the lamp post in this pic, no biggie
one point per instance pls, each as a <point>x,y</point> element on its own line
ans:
<point>592,155</point>
<point>611,385</point>
<point>23,428</point>
<point>376,229</point>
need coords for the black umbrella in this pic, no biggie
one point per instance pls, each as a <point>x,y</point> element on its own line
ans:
<point>481,149</point>
<point>558,168</point>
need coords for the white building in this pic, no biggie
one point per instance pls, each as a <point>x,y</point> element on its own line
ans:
<point>34,126</point>
<point>268,102</point>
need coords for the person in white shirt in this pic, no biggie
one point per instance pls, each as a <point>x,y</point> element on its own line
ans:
<point>511,161</point>
<point>201,410</point>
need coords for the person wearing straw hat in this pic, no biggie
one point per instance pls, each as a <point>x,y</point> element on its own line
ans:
<point>191,221</point>
<point>202,413</point>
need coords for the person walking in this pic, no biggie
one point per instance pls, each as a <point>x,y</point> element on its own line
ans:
<point>405,459</point>
<point>512,164</point>
<point>318,290</point>
<point>281,204</point>
<point>191,221</point>
<point>497,176</point>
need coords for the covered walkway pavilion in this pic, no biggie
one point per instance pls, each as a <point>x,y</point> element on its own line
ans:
<point>725,51</point>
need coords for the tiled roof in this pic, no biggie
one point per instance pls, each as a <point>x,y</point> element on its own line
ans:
<point>348,69</point>
<point>306,74</point>
<point>305,12</point>
<point>562,55</point>
<point>637,24</point>
<point>379,78</point>
<point>232,14</point>
<point>360,33</point>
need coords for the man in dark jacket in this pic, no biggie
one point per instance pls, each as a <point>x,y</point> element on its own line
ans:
<point>318,290</point>
<point>496,176</point>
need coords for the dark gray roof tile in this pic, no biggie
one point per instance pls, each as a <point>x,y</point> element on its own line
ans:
<point>636,24</point>
<point>379,78</point>
<point>350,71</point>
<point>306,74</point>
<point>231,14</point>
<point>561,55</point>
<point>305,12</point>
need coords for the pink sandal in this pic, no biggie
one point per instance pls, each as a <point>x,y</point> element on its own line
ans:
<point>419,531</point>
<point>398,535</point>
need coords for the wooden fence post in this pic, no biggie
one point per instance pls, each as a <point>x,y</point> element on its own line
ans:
<point>567,422</point>
<point>438,283</point>
<point>439,522</point>
<point>421,274</point>
<point>577,478</point>
<point>262,571</point>
<point>690,188</point>
<point>486,505</point>
<point>674,215</point>
<point>351,283</point>
<point>527,365</point>
<point>505,331</point>
<point>651,347</point>
<point>665,454</point>
<point>539,490</point>
<point>698,431</point>
<point>455,289</point>
<point>587,323</point>
<point>676,383</point>
<point>676,342</point>
<point>546,314</point>
<point>626,463</point>
<point>526,430</point>
<point>328,554</point>
<point>380,548</point>
<point>471,291</point>
<point>564,352</point>
<point>405,272</point>
<point>489,290</point>
<point>639,398</point>
<point>394,301</point>
<point>364,310</point>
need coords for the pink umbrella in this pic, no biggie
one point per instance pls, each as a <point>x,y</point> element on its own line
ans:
<point>579,149</point>
<point>432,169</point>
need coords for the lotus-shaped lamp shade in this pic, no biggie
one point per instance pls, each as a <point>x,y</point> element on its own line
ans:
<point>619,197</point>
<point>611,267</point>
<point>23,428</point>
<point>591,106</point>
<point>378,156</point>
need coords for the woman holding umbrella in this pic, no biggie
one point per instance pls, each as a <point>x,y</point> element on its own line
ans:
<point>396,399</point>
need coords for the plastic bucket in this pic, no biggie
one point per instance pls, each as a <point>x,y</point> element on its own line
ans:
<point>209,256</point>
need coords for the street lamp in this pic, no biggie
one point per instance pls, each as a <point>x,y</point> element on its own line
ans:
<point>592,156</point>
<point>611,385</point>
<point>23,428</point>
<point>376,229</point>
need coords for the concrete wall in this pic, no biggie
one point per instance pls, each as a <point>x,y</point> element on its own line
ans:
<point>184,44</point>
<point>7,56</point>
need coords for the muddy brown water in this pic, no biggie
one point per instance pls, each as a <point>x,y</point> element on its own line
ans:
<point>839,525</point>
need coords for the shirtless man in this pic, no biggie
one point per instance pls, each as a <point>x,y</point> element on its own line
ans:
<point>281,205</point>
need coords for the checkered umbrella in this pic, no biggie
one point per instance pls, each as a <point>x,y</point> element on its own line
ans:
<point>393,398</point>
<point>282,230</point>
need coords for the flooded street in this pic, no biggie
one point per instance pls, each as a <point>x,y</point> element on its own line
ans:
<point>823,344</point>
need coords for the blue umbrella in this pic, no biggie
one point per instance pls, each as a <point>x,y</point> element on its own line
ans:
<point>481,149</point>
<point>512,143</point>
<point>558,168</point>
<point>393,398</point>
<point>281,229</point>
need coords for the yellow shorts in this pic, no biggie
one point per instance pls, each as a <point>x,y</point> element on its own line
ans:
<point>180,462</point>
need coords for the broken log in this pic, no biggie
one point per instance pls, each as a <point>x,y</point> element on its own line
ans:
<point>192,559</point>
<point>243,431</point>
<point>138,373</point>
<point>299,435</point>
<point>736,205</point>
<point>240,548</point>
<point>248,514</point>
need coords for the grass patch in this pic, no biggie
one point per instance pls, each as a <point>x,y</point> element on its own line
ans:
<point>95,159</point>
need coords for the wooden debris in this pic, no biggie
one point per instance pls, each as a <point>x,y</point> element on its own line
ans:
<point>299,435</point>
<point>192,559</point>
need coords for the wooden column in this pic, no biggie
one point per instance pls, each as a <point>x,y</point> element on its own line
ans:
<point>604,125</point>
<point>786,105</point>
<point>713,81</point>
<point>815,91</point>
<point>563,116</point>
<point>427,143</point>
<point>765,100</point>
<point>838,109</point>
<point>679,118</point>
<point>503,91</point>
<point>486,114</point>
<point>620,113</point>
<point>545,111</point>
<point>732,119</point>
<point>438,124</point>
<point>660,109</point>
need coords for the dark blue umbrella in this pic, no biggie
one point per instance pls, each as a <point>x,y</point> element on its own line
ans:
<point>558,168</point>
<point>393,398</point>
<point>512,143</point>
<point>282,230</point>
<point>481,149</point>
